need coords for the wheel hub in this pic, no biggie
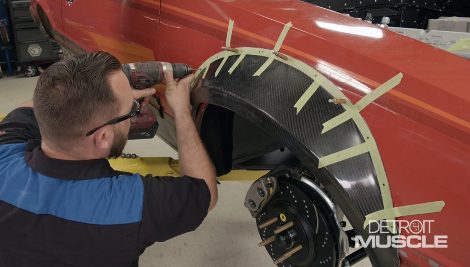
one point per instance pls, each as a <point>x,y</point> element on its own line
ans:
<point>297,226</point>
<point>287,239</point>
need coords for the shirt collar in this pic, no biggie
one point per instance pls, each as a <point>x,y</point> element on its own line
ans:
<point>65,169</point>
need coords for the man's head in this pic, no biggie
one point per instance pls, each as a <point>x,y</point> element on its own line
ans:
<point>76,95</point>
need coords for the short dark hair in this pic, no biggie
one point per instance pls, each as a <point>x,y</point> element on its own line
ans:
<point>74,93</point>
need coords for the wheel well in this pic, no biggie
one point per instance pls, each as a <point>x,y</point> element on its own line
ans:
<point>44,22</point>
<point>233,142</point>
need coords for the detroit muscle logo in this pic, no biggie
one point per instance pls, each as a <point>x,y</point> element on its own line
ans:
<point>411,234</point>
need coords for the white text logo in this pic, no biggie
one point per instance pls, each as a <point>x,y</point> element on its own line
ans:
<point>411,234</point>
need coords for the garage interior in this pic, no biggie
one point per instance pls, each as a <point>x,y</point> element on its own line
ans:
<point>228,236</point>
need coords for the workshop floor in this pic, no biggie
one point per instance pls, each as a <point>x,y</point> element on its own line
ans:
<point>228,237</point>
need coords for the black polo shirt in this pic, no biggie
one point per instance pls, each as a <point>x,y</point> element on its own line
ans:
<point>83,213</point>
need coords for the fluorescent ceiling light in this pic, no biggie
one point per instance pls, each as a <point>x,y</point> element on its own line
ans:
<point>371,32</point>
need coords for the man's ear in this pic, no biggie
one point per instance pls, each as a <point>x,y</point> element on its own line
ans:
<point>103,139</point>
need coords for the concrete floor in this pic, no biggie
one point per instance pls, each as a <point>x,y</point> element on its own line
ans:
<point>228,236</point>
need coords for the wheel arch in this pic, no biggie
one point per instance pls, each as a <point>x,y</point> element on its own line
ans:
<point>43,20</point>
<point>228,95</point>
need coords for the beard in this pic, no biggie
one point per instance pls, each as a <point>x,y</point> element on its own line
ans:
<point>119,143</point>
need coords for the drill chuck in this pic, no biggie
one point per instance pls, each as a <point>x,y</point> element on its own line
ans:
<point>147,74</point>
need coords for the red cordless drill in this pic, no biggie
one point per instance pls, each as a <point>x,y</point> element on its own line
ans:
<point>145,75</point>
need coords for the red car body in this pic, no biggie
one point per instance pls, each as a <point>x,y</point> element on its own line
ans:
<point>422,127</point>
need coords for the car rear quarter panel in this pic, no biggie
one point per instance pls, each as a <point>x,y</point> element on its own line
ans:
<point>421,127</point>
<point>127,29</point>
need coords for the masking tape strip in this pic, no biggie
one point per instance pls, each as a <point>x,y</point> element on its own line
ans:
<point>341,118</point>
<point>237,62</point>
<point>282,36</point>
<point>379,91</point>
<point>307,94</point>
<point>335,92</point>
<point>265,65</point>
<point>390,214</point>
<point>364,102</point>
<point>221,65</point>
<point>229,34</point>
<point>205,66</point>
<point>343,155</point>
<point>205,72</point>
<point>278,45</point>
<point>198,76</point>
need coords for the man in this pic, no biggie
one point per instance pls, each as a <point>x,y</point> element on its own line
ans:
<point>61,204</point>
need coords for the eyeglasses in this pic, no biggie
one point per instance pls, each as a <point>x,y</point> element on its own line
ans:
<point>134,112</point>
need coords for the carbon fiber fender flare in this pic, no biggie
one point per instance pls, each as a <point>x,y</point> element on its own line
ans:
<point>268,101</point>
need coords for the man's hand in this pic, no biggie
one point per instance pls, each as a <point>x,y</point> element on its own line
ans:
<point>177,93</point>
<point>145,94</point>
<point>193,158</point>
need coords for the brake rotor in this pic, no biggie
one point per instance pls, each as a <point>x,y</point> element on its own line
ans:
<point>297,226</point>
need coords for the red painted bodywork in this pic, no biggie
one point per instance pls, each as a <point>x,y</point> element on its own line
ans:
<point>422,127</point>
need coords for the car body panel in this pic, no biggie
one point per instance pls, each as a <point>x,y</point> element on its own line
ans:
<point>131,40</point>
<point>53,10</point>
<point>422,127</point>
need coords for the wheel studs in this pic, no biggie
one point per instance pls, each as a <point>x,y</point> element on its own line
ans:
<point>267,241</point>
<point>284,227</point>
<point>268,223</point>
<point>288,254</point>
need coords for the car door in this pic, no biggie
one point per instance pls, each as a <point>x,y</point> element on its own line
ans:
<point>126,29</point>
